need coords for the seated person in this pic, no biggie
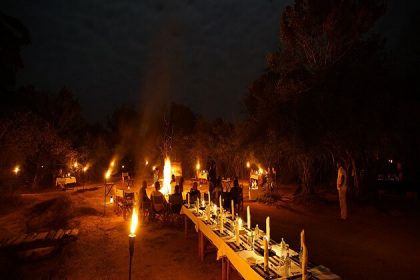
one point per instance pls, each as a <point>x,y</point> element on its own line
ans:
<point>158,200</point>
<point>175,200</point>
<point>194,193</point>
<point>144,199</point>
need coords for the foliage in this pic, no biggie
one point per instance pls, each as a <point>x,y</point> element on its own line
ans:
<point>327,92</point>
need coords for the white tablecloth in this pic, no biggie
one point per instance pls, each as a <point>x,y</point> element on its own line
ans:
<point>242,260</point>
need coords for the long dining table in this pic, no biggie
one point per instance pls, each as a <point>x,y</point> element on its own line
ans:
<point>246,258</point>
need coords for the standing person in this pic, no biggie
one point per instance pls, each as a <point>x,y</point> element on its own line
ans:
<point>342,189</point>
<point>155,175</point>
<point>181,184</point>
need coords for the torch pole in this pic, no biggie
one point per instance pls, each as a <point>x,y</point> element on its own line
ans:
<point>131,238</point>
<point>104,197</point>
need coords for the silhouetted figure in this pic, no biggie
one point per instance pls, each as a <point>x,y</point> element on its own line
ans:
<point>342,189</point>
<point>175,200</point>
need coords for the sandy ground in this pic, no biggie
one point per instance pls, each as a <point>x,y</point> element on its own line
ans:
<point>371,245</point>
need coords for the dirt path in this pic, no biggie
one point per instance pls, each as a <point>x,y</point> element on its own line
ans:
<point>371,245</point>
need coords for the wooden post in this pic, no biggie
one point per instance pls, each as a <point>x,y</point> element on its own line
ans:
<point>227,269</point>
<point>185,226</point>
<point>201,246</point>
<point>224,268</point>
<point>104,197</point>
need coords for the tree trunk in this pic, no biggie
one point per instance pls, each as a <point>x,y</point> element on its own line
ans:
<point>306,175</point>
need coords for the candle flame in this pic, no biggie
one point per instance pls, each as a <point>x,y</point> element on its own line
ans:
<point>248,165</point>
<point>197,166</point>
<point>134,222</point>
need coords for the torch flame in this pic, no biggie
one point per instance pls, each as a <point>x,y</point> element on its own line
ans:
<point>167,177</point>
<point>108,174</point>
<point>134,222</point>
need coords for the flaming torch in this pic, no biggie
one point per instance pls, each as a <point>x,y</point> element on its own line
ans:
<point>131,238</point>
<point>16,170</point>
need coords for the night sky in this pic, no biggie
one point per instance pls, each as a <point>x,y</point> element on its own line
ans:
<point>201,53</point>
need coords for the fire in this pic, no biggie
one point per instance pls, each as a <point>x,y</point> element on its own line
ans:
<point>134,222</point>
<point>197,166</point>
<point>108,174</point>
<point>248,165</point>
<point>16,169</point>
<point>166,189</point>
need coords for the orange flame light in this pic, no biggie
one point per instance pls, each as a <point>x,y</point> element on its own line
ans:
<point>134,222</point>
<point>248,165</point>
<point>108,174</point>
<point>197,166</point>
<point>16,169</point>
<point>166,189</point>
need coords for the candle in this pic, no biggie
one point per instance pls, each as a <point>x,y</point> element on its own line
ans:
<point>188,199</point>
<point>221,223</point>
<point>240,223</point>
<point>304,254</point>
<point>232,205</point>
<point>209,197</point>
<point>248,217</point>
<point>208,212</point>
<point>267,228</point>
<point>215,209</point>
<point>237,232</point>
<point>220,203</point>
<point>203,204</point>
<point>265,254</point>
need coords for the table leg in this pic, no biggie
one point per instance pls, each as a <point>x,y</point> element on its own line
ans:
<point>223,268</point>
<point>201,247</point>
<point>185,226</point>
<point>227,269</point>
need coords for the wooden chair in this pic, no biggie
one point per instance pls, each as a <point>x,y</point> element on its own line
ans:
<point>159,207</point>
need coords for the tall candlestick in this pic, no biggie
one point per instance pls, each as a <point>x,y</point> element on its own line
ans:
<point>221,223</point>
<point>265,254</point>
<point>304,254</point>
<point>232,205</point>
<point>248,217</point>
<point>237,232</point>
<point>208,212</point>
<point>209,197</point>
<point>267,228</point>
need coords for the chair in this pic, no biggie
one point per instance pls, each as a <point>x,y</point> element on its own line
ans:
<point>145,207</point>
<point>158,208</point>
